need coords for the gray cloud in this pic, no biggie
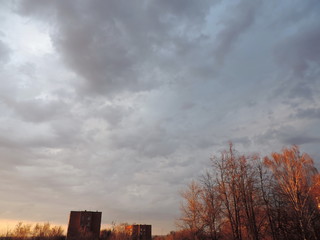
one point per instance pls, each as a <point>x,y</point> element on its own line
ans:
<point>299,140</point>
<point>313,113</point>
<point>119,104</point>
<point>290,135</point>
<point>297,51</point>
<point>300,48</point>
<point>111,47</point>
<point>239,20</point>
<point>4,52</point>
<point>37,110</point>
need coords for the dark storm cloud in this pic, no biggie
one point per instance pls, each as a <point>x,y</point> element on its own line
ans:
<point>111,44</point>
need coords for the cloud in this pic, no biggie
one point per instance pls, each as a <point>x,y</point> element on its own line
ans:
<point>4,52</point>
<point>299,140</point>
<point>313,113</point>
<point>119,104</point>
<point>297,52</point>
<point>112,48</point>
<point>240,19</point>
<point>37,110</point>
<point>290,135</point>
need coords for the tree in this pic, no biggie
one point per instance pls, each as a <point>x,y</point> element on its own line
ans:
<point>41,231</point>
<point>243,197</point>
<point>56,232</point>
<point>294,174</point>
<point>192,209</point>
<point>238,184</point>
<point>250,196</point>
<point>38,232</point>
<point>22,231</point>
<point>211,215</point>
<point>267,194</point>
<point>117,232</point>
<point>227,182</point>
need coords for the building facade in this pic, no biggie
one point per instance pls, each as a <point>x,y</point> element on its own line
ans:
<point>84,224</point>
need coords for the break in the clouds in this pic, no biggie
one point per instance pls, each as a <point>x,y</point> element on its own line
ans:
<point>116,105</point>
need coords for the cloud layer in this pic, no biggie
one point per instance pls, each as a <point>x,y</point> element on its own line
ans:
<point>116,105</point>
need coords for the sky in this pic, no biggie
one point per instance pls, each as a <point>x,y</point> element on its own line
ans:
<point>117,105</point>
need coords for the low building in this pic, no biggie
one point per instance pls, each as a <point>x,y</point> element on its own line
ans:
<point>139,231</point>
<point>84,224</point>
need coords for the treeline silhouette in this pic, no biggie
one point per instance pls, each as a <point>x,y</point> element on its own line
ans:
<point>116,232</point>
<point>43,231</point>
<point>249,197</point>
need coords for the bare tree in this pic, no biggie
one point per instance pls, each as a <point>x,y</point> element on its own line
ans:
<point>243,197</point>
<point>267,194</point>
<point>22,231</point>
<point>192,210</point>
<point>249,193</point>
<point>294,173</point>
<point>211,215</point>
<point>227,181</point>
